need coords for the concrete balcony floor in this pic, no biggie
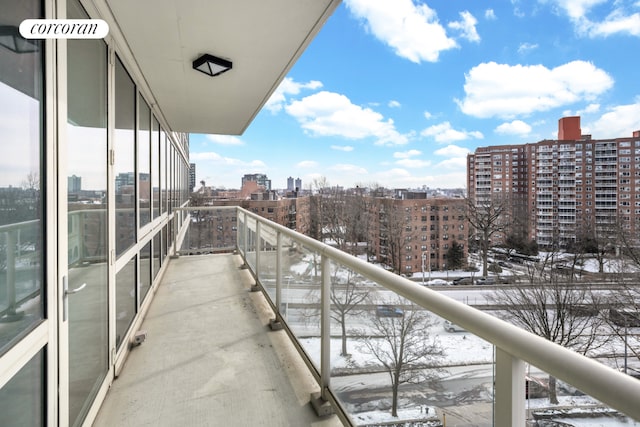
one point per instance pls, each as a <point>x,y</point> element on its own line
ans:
<point>210,358</point>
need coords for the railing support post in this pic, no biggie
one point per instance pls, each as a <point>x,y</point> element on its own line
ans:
<point>257,245</point>
<point>320,400</point>
<point>509,394</point>
<point>276,323</point>
<point>245,232</point>
<point>174,231</point>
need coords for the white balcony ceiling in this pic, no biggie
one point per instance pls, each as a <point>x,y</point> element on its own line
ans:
<point>263,39</point>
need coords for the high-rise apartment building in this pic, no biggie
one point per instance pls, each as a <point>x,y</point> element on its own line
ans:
<point>192,176</point>
<point>260,178</point>
<point>562,189</point>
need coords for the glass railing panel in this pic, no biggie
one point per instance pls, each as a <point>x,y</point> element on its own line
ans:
<point>551,401</point>
<point>251,241</point>
<point>300,308</point>
<point>240,226</point>
<point>446,372</point>
<point>21,270</point>
<point>210,231</point>
<point>268,257</point>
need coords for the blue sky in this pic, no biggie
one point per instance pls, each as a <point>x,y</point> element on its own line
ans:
<point>397,93</point>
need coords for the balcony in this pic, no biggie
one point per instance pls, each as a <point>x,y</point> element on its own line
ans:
<point>251,338</point>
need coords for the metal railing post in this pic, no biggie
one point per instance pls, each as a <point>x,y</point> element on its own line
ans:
<point>509,395</point>
<point>320,401</point>
<point>245,232</point>
<point>257,245</point>
<point>276,323</point>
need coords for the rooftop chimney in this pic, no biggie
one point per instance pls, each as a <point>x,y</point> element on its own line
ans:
<point>569,129</point>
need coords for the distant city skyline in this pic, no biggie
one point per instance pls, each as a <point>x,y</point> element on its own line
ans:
<point>398,93</point>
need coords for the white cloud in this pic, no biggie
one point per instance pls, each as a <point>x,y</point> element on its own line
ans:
<point>413,31</point>
<point>406,154</point>
<point>506,91</point>
<point>618,122</point>
<point>350,169</point>
<point>427,115</point>
<point>225,140</point>
<point>414,163</point>
<point>527,47</point>
<point>467,26</point>
<point>616,22</point>
<point>307,164</point>
<point>443,132</point>
<point>489,15</point>
<point>452,151</point>
<point>516,127</point>
<point>288,87</point>
<point>345,148</point>
<point>332,114</point>
<point>589,109</point>
<point>454,163</point>
<point>456,160</point>
<point>210,156</point>
<point>619,18</point>
<point>406,160</point>
<point>401,178</point>
<point>394,104</point>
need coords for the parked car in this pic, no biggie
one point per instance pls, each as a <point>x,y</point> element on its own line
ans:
<point>389,311</point>
<point>437,282</point>
<point>486,280</point>
<point>452,327</point>
<point>463,281</point>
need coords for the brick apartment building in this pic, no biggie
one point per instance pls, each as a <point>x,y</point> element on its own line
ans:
<point>405,229</point>
<point>292,213</point>
<point>401,229</point>
<point>565,187</point>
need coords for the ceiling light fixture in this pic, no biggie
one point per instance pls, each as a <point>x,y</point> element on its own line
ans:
<point>211,65</point>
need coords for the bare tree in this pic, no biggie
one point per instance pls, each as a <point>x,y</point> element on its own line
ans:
<point>392,233</point>
<point>564,314</point>
<point>600,240</point>
<point>625,301</point>
<point>488,218</point>
<point>346,297</point>
<point>404,347</point>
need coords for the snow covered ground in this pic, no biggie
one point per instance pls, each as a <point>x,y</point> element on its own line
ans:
<point>461,349</point>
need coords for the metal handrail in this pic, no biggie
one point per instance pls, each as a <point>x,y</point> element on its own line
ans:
<point>611,387</point>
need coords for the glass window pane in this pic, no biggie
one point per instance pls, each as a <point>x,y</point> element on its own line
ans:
<point>125,150</point>
<point>163,170</point>
<point>87,218</point>
<point>155,167</point>
<point>22,398</point>
<point>21,155</point>
<point>156,254</point>
<point>145,270</point>
<point>125,298</point>
<point>144,170</point>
